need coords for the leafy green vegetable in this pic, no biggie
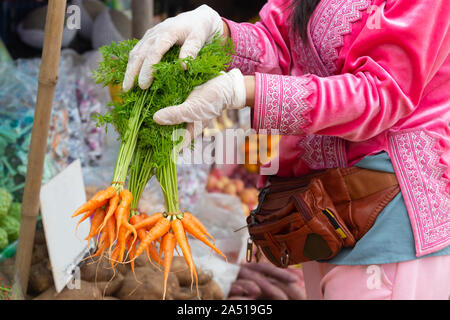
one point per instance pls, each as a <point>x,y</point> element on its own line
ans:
<point>14,210</point>
<point>11,226</point>
<point>5,202</point>
<point>3,238</point>
<point>148,145</point>
<point>125,115</point>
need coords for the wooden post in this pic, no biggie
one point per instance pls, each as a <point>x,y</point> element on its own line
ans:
<point>48,78</point>
<point>142,12</point>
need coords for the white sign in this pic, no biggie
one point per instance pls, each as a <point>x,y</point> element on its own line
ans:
<point>59,198</point>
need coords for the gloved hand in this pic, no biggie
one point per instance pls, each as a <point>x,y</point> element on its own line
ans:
<point>207,101</point>
<point>192,30</point>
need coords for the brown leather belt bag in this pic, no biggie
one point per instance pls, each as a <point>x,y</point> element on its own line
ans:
<point>313,217</point>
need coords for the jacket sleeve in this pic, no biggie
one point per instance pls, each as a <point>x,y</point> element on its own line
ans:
<point>263,46</point>
<point>382,80</point>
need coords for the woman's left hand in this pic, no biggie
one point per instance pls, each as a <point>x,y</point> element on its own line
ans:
<point>207,101</point>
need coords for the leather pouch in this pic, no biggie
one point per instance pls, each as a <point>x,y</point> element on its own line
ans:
<point>314,217</point>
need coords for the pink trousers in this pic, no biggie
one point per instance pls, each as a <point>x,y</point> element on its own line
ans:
<point>421,279</point>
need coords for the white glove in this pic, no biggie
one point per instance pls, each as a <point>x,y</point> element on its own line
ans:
<point>192,30</point>
<point>207,101</point>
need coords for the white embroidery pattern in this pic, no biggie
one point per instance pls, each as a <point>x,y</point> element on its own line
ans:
<point>247,50</point>
<point>416,159</point>
<point>323,152</point>
<point>330,27</point>
<point>306,59</point>
<point>282,103</point>
<point>332,21</point>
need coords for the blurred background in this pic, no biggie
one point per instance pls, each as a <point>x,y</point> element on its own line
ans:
<point>13,12</point>
<point>220,195</point>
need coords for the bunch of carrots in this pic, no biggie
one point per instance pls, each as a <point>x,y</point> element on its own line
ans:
<point>141,233</point>
<point>147,149</point>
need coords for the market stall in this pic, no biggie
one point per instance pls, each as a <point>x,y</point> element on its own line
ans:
<point>91,204</point>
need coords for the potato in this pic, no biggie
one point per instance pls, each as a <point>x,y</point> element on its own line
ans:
<point>141,261</point>
<point>185,293</point>
<point>237,290</point>
<point>97,270</point>
<point>180,269</point>
<point>123,268</point>
<point>245,287</point>
<point>87,291</point>
<point>109,288</point>
<point>39,253</point>
<point>49,294</point>
<point>291,289</point>
<point>240,298</point>
<point>211,291</point>
<point>149,287</point>
<point>203,276</point>
<point>269,291</point>
<point>40,278</point>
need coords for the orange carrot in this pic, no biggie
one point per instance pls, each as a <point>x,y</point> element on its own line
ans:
<point>98,200</point>
<point>85,216</point>
<point>123,208</point>
<point>135,219</point>
<point>110,230</point>
<point>131,254</point>
<point>115,255</point>
<point>159,230</point>
<point>141,232</point>
<point>198,223</point>
<point>180,235</point>
<point>95,223</point>
<point>121,242</point>
<point>132,245</point>
<point>151,250</point>
<point>129,226</point>
<point>102,245</point>
<point>113,203</point>
<point>192,229</point>
<point>168,245</point>
<point>149,221</point>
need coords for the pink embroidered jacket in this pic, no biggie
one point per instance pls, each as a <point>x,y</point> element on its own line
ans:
<point>373,76</point>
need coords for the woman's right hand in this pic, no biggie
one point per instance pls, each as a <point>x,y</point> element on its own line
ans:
<point>192,30</point>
